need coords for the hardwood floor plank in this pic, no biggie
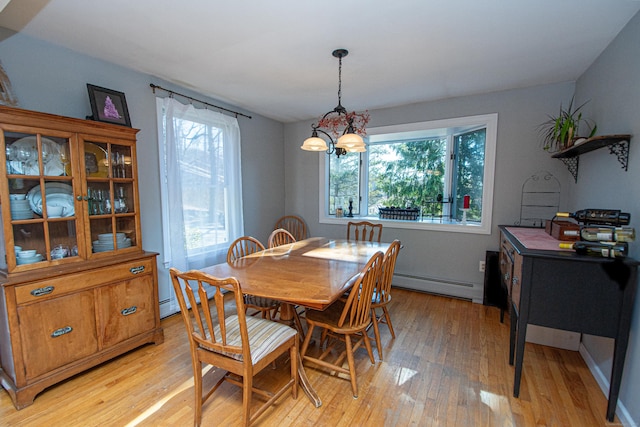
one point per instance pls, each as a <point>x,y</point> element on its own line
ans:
<point>448,366</point>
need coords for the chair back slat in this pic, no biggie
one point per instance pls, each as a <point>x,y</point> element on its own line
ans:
<point>280,237</point>
<point>203,330</point>
<point>383,287</point>
<point>364,231</point>
<point>294,225</point>
<point>243,246</point>
<point>357,309</point>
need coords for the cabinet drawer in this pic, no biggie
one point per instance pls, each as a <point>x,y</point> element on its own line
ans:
<point>57,332</point>
<point>516,282</point>
<point>52,288</point>
<point>126,309</point>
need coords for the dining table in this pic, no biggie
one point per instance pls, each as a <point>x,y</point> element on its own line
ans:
<point>312,273</point>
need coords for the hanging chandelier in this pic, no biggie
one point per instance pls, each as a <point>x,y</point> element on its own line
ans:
<point>339,124</point>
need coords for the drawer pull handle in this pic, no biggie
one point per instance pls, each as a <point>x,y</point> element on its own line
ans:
<point>42,291</point>
<point>128,311</point>
<point>61,331</point>
<point>136,270</point>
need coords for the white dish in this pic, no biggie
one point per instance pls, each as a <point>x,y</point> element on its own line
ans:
<point>108,237</point>
<point>13,197</point>
<point>28,253</point>
<point>58,194</point>
<point>31,260</point>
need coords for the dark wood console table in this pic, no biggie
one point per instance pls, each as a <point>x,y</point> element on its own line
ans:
<point>562,290</point>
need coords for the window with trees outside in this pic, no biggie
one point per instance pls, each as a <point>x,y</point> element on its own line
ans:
<point>417,175</point>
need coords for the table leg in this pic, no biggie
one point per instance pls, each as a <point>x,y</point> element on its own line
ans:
<point>306,385</point>
<point>287,315</point>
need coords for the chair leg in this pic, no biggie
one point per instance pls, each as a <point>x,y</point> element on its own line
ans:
<point>352,365</point>
<point>197,387</point>
<point>367,344</point>
<point>247,386</point>
<point>388,317</point>
<point>376,332</point>
<point>295,359</point>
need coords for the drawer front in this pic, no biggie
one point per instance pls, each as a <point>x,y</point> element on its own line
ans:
<point>52,288</point>
<point>516,281</point>
<point>126,309</point>
<point>57,331</point>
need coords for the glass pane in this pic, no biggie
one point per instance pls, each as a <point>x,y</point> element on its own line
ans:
<point>120,161</point>
<point>407,174</point>
<point>63,239</point>
<point>29,243</point>
<point>127,226</point>
<point>96,162</point>
<point>22,154</point>
<point>469,173</point>
<point>344,178</point>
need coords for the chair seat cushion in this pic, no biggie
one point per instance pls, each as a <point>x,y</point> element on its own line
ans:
<point>260,301</point>
<point>264,336</point>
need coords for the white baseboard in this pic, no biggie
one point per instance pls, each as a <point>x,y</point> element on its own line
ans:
<point>470,291</point>
<point>603,382</point>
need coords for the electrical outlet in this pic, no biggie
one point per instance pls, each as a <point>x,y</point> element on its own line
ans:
<point>481,267</point>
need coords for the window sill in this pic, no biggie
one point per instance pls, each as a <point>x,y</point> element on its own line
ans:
<point>431,225</point>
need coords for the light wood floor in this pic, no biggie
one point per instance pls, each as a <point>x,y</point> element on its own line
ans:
<point>448,366</point>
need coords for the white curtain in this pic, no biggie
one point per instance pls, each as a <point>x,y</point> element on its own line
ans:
<point>201,182</point>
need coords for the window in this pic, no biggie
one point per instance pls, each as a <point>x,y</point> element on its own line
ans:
<point>417,176</point>
<point>201,185</point>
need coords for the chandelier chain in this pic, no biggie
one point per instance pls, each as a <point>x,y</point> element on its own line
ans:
<point>340,80</point>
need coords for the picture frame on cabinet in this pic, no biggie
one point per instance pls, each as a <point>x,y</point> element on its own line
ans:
<point>108,106</point>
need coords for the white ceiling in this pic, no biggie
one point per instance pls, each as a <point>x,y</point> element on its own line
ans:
<point>274,57</point>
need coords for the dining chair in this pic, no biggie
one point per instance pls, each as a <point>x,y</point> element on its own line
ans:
<point>241,247</point>
<point>294,225</point>
<point>343,320</point>
<point>382,294</point>
<point>239,345</point>
<point>279,237</point>
<point>364,230</point>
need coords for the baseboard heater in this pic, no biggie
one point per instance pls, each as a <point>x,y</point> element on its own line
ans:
<point>462,290</point>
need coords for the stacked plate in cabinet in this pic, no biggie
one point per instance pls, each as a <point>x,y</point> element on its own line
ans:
<point>105,242</point>
<point>20,208</point>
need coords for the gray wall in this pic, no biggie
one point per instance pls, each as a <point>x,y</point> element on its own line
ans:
<point>612,86</point>
<point>53,80</point>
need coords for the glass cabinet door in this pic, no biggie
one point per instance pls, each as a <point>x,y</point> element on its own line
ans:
<point>110,196</point>
<point>41,207</point>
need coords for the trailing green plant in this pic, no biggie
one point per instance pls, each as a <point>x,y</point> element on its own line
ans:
<point>559,131</point>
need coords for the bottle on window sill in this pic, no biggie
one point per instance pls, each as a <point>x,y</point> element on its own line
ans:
<point>611,234</point>
<point>602,249</point>
<point>598,216</point>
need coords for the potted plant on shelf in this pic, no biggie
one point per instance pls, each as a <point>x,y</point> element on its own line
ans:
<point>559,132</point>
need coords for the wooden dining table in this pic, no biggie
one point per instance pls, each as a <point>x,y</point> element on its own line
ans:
<point>312,273</point>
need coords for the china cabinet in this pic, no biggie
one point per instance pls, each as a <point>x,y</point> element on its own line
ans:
<point>77,288</point>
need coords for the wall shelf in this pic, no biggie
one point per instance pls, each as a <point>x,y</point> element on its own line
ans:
<point>617,144</point>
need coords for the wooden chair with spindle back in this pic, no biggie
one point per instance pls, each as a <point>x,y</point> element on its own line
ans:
<point>382,294</point>
<point>344,320</point>
<point>294,225</point>
<point>364,231</point>
<point>241,247</point>
<point>240,345</point>
<point>279,237</point>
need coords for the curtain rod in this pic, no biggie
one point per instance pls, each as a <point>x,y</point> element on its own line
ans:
<point>172,92</point>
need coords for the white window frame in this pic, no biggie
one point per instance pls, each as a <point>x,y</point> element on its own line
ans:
<point>484,227</point>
